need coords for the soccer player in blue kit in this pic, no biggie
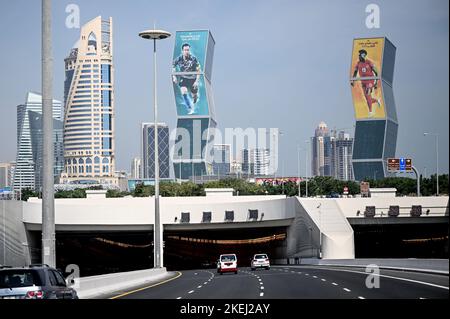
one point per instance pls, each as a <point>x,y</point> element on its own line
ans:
<point>186,62</point>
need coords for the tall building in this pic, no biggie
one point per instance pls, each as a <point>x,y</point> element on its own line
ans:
<point>191,77</point>
<point>256,162</point>
<point>89,129</point>
<point>236,167</point>
<point>371,79</point>
<point>148,150</point>
<point>261,161</point>
<point>28,168</point>
<point>321,151</point>
<point>342,152</point>
<point>222,159</point>
<point>136,168</point>
<point>5,168</point>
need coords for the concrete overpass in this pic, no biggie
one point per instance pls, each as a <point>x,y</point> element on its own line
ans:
<point>216,219</point>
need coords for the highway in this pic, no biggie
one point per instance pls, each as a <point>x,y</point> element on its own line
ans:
<point>293,282</point>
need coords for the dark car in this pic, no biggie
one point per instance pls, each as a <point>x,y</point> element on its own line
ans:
<point>34,282</point>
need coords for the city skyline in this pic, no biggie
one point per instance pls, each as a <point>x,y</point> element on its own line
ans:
<point>428,23</point>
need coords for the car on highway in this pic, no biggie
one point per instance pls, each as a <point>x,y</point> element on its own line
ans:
<point>34,282</point>
<point>260,261</point>
<point>227,263</point>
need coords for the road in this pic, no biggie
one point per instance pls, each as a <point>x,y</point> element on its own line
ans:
<point>294,282</point>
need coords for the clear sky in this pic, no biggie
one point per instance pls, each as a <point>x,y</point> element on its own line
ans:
<point>278,64</point>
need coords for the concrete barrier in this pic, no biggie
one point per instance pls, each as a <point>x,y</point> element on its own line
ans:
<point>90,287</point>
<point>436,266</point>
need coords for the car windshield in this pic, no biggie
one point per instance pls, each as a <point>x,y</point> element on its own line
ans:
<point>228,258</point>
<point>19,278</point>
<point>262,256</point>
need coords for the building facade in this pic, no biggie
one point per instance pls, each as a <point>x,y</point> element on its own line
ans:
<point>148,150</point>
<point>371,79</point>
<point>28,169</point>
<point>321,151</point>
<point>342,152</point>
<point>256,162</point>
<point>89,129</point>
<point>136,168</point>
<point>222,159</point>
<point>196,122</point>
<point>5,169</point>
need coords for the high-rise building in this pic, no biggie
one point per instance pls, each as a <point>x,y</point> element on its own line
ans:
<point>148,150</point>
<point>89,129</point>
<point>371,79</point>
<point>191,77</point>
<point>221,159</point>
<point>342,151</point>
<point>321,151</point>
<point>256,162</point>
<point>5,168</point>
<point>236,167</point>
<point>28,170</point>
<point>261,161</point>
<point>136,168</point>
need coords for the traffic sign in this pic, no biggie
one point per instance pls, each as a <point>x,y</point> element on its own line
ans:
<point>399,164</point>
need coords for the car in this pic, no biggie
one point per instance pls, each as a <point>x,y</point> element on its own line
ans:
<point>34,282</point>
<point>260,261</point>
<point>227,263</point>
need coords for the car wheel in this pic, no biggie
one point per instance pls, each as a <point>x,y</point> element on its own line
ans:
<point>267,268</point>
<point>235,272</point>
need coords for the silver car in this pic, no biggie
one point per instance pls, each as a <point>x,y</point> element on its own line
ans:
<point>34,282</point>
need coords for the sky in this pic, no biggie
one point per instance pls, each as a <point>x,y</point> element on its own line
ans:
<point>278,64</point>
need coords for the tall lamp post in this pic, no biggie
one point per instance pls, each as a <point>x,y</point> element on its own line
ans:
<point>298,170</point>
<point>157,247</point>
<point>306,166</point>
<point>437,159</point>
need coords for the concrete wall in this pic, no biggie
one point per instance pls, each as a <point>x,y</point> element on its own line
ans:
<point>14,245</point>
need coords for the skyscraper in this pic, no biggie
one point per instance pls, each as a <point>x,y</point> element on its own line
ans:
<point>256,162</point>
<point>136,168</point>
<point>148,150</point>
<point>29,142</point>
<point>89,129</point>
<point>221,159</point>
<point>191,77</point>
<point>342,151</point>
<point>321,151</point>
<point>371,79</point>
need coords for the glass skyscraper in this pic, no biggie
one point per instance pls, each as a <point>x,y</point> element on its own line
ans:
<point>29,142</point>
<point>89,145</point>
<point>321,151</point>
<point>221,159</point>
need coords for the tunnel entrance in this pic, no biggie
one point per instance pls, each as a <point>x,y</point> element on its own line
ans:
<point>401,240</point>
<point>109,252</point>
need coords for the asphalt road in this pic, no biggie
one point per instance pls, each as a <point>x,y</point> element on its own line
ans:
<point>294,282</point>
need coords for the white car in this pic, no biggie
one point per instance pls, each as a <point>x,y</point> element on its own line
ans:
<point>260,261</point>
<point>227,263</point>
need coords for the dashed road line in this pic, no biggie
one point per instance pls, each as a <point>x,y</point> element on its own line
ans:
<point>190,291</point>
<point>361,297</point>
<point>347,290</point>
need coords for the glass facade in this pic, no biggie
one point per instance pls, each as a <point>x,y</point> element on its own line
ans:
<point>369,139</point>
<point>148,131</point>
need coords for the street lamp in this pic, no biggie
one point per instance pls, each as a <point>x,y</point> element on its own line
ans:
<point>437,159</point>
<point>158,249</point>
<point>320,231</point>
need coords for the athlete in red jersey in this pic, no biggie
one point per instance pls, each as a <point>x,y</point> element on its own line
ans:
<point>366,68</point>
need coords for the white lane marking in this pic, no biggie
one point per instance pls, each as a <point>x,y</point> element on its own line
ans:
<point>361,297</point>
<point>199,287</point>
<point>195,274</point>
<point>190,291</point>
<point>260,283</point>
<point>205,283</point>
<point>179,298</point>
<point>315,277</point>
<point>306,274</point>
<point>422,298</point>
<point>261,294</point>
<point>262,287</point>
<point>334,284</point>
<point>323,279</point>
<point>391,277</point>
<point>259,279</point>
<point>347,290</point>
<point>293,272</point>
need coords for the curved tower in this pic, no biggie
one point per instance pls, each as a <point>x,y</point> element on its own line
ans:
<point>89,146</point>
<point>191,77</point>
<point>371,77</point>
